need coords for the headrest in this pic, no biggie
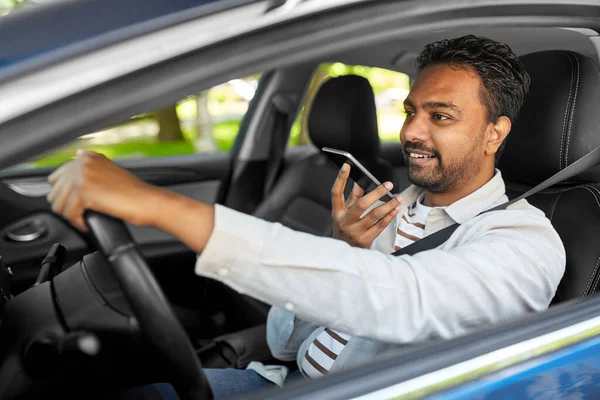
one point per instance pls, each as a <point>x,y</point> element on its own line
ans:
<point>560,120</point>
<point>343,116</point>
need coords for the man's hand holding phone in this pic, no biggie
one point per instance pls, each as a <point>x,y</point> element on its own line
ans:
<point>346,214</point>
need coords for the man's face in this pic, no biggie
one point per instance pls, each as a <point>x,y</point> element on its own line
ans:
<point>443,136</point>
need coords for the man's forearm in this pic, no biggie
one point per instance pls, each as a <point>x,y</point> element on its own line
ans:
<point>190,221</point>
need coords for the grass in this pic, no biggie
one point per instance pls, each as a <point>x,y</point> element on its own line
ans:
<point>224,134</point>
<point>131,149</point>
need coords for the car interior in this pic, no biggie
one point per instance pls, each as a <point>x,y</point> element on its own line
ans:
<point>262,177</point>
<point>559,68</point>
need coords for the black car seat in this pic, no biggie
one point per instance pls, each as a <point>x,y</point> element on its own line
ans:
<point>342,116</point>
<point>558,124</point>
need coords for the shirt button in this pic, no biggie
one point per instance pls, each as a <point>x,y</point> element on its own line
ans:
<point>289,307</point>
<point>223,272</point>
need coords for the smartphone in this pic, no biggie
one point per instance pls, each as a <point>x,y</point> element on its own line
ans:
<point>358,173</point>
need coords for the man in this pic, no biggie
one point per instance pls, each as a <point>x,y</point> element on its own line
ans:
<point>361,301</point>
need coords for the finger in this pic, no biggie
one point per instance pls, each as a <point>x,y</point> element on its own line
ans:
<point>383,222</point>
<point>63,193</point>
<point>53,177</point>
<point>370,198</point>
<point>355,194</point>
<point>73,212</point>
<point>56,188</point>
<point>337,190</point>
<point>380,211</point>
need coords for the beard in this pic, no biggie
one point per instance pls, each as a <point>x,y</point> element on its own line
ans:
<point>439,176</point>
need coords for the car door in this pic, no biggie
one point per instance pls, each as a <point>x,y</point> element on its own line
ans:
<point>548,355</point>
<point>186,147</point>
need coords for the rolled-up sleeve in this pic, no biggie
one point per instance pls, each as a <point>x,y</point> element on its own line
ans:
<point>501,268</point>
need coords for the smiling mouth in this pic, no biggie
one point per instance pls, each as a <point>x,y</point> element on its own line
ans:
<point>415,155</point>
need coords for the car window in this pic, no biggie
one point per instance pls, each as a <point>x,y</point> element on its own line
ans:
<point>390,88</point>
<point>8,6</point>
<point>207,122</point>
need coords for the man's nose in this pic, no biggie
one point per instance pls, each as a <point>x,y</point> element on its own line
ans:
<point>414,130</point>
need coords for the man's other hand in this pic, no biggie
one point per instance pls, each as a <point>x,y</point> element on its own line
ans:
<point>346,214</point>
<point>91,181</point>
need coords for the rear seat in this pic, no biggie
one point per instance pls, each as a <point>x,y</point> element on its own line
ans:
<point>342,116</point>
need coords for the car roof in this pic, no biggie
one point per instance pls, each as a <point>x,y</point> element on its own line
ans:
<point>46,28</point>
<point>400,54</point>
<point>60,29</point>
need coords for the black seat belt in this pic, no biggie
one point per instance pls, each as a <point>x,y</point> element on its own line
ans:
<point>590,160</point>
<point>282,110</point>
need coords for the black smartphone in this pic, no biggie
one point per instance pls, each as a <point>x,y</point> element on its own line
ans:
<point>358,173</point>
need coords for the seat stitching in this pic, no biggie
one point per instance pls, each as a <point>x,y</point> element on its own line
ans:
<point>572,114</point>
<point>562,139</point>
<point>594,191</point>
<point>595,284</point>
<point>559,190</point>
<point>586,291</point>
<point>554,205</point>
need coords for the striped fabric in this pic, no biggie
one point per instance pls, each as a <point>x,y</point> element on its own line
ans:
<point>328,345</point>
<point>323,351</point>
<point>412,224</point>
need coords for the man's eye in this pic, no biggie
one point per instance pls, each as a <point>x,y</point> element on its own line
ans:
<point>440,117</point>
<point>409,113</point>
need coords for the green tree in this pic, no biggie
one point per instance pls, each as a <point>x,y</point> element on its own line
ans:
<point>168,122</point>
<point>205,140</point>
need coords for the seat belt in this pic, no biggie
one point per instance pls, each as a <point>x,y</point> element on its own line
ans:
<point>590,160</point>
<point>282,110</point>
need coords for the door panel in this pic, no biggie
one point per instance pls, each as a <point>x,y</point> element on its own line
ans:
<point>25,214</point>
<point>25,242</point>
<point>149,238</point>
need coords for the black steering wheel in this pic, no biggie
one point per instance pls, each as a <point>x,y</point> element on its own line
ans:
<point>159,324</point>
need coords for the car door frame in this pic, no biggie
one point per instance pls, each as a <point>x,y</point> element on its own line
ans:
<point>575,321</point>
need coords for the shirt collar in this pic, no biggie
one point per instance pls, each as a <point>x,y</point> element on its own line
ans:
<point>469,206</point>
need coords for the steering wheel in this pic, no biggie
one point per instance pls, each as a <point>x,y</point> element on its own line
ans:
<point>159,324</point>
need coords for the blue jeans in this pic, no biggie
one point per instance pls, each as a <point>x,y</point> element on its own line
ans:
<point>223,382</point>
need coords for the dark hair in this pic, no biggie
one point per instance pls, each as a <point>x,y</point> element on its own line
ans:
<point>505,80</point>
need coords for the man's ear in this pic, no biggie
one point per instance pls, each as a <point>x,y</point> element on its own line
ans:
<point>497,135</point>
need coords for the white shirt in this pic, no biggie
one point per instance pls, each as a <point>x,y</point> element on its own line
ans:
<point>329,344</point>
<point>495,266</point>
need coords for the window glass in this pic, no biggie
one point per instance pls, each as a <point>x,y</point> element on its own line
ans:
<point>204,123</point>
<point>7,6</point>
<point>390,88</point>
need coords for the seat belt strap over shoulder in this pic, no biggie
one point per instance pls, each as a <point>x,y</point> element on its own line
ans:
<point>585,163</point>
